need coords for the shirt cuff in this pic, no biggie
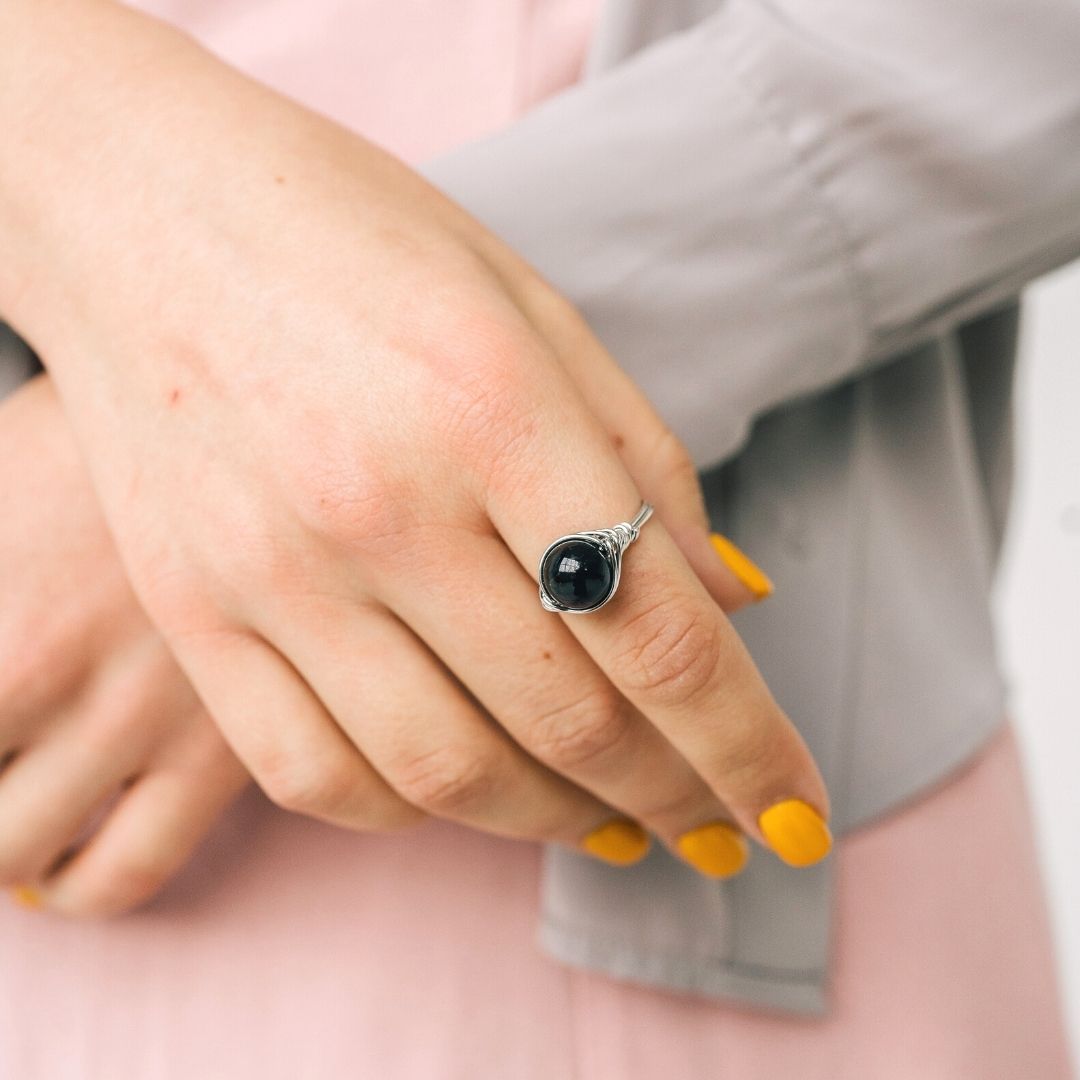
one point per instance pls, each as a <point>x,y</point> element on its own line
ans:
<point>755,209</point>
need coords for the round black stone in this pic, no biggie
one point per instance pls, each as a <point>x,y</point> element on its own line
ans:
<point>577,574</point>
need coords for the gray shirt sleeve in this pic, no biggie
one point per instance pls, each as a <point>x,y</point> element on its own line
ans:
<point>17,362</point>
<point>763,205</point>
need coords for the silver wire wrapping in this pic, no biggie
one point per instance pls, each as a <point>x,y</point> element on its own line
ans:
<point>610,542</point>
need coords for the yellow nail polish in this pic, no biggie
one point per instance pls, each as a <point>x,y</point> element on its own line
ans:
<point>26,897</point>
<point>796,832</point>
<point>619,842</point>
<point>717,850</point>
<point>749,573</point>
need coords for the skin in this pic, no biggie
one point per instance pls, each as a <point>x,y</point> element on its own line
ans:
<point>332,423</point>
<point>111,771</point>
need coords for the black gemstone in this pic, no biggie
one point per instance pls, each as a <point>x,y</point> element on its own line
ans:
<point>577,574</point>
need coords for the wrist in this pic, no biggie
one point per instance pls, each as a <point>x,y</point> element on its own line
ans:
<point>84,100</point>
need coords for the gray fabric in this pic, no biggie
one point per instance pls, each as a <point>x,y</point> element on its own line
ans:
<point>878,643</point>
<point>17,362</point>
<point>802,228</point>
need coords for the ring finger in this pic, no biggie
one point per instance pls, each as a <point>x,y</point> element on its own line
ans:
<point>533,676</point>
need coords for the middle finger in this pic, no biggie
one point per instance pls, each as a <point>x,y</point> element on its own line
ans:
<point>662,640</point>
<point>532,675</point>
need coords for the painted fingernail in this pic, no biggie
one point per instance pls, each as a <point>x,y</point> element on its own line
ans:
<point>26,897</point>
<point>748,572</point>
<point>796,832</point>
<point>717,850</point>
<point>620,842</point>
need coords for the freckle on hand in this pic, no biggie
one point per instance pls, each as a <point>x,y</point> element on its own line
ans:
<point>547,655</point>
<point>618,440</point>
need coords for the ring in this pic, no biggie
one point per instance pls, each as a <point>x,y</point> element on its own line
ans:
<point>579,572</point>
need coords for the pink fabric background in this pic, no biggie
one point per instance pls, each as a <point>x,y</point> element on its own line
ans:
<point>293,950</point>
<point>416,76</point>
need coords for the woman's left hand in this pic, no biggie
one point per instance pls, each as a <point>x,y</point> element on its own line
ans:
<point>111,772</point>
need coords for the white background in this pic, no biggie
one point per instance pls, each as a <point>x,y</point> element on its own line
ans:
<point>1038,601</point>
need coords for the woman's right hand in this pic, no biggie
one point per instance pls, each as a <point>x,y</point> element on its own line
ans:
<point>338,424</point>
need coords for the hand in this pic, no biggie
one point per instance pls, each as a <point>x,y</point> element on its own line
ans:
<point>111,770</point>
<point>336,427</point>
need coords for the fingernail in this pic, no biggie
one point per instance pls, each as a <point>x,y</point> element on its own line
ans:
<point>717,850</point>
<point>796,832</point>
<point>619,842</point>
<point>26,897</point>
<point>749,573</point>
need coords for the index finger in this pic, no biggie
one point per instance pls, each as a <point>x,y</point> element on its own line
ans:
<point>661,639</point>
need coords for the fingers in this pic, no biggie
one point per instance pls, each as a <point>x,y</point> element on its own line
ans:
<point>653,455</point>
<point>662,640</point>
<point>50,791</point>
<point>283,735</point>
<point>150,833</point>
<point>426,736</point>
<point>534,678</point>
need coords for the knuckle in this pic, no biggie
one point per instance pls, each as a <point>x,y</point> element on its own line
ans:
<point>134,881</point>
<point>350,502</point>
<point>673,462</point>
<point>486,408</point>
<point>671,651</point>
<point>445,780</point>
<point>128,883</point>
<point>570,736</point>
<point>320,790</point>
<point>746,756</point>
